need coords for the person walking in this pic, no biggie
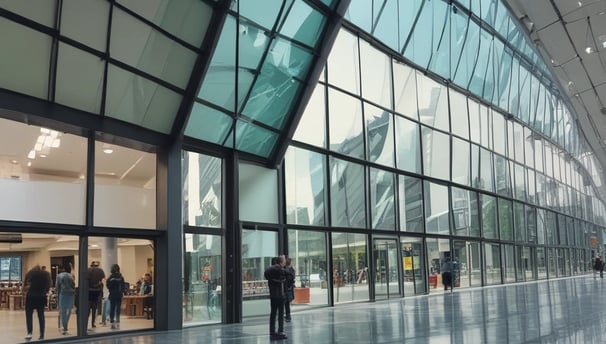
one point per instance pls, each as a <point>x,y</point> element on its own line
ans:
<point>598,265</point>
<point>447,274</point>
<point>95,289</point>
<point>37,285</point>
<point>66,288</point>
<point>115,285</point>
<point>290,288</point>
<point>276,279</point>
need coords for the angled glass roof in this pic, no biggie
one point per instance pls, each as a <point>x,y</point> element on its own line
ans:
<point>260,64</point>
<point>126,59</point>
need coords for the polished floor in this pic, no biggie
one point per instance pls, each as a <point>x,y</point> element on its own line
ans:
<point>571,310</point>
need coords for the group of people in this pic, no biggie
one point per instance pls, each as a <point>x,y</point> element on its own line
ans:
<point>38,282</point>
<point>281,282</point>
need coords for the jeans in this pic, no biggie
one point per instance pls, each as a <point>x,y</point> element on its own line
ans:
<point>105,311</point>
<point>114,309</point>
<point>66,303</point>
<point>37,302</point>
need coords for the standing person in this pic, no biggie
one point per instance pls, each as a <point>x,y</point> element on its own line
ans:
<point>447,277</point>
<point>95,289</point>
<point>598,265</point>
<point>276,279</point>
<point>290,287</point>
<point>66,288</point>
<point>115,285</point>
<point>37,284</point>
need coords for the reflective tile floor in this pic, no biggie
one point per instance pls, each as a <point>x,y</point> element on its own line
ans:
<point>571,310</point>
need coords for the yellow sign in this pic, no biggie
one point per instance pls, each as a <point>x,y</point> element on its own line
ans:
<point>408,263</point>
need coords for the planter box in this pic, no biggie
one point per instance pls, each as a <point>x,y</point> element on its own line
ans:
<point>301,296</point>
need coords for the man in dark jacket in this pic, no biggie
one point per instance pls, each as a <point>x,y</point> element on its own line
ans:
<point>276,279</point>
<point>37,284</point>
<point>95,289</point>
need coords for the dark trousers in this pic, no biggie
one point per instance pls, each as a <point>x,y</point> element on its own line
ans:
<point>447,279</point>
<point>37,302</point>
<point>287,309</point>
<point>94,297</point>
<point>277,306</point>
<point>114,309</point>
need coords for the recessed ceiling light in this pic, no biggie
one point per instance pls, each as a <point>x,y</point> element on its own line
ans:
<point>29,164</point>
<point>589,50</point>
<point>43,155</point>
<point>107,149</point>
<point>580,3</point>
<point>14,162</point>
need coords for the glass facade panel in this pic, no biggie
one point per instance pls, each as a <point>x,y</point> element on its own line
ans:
<point>376,74</point>
<point>312,127</point>
<point>258,196</point>
<point>382,199</point>
<point>379,135</point>
<point>346,137</point>
<point>347,196</point>
<point>437,251</point>
<point>43,174</point>
<point>489,216</point>
<point>202,190</point>
<point>505,219</point>
<point>258,249</point>
<point>343,63</point>
<point>461,155</point>
<point>437,211</point>
<point>492,262</point>
<point>436,153</point>
<point>408,145</point>
<point>465,212</point>
<point>305,174</point>
<point>509,264</point>
<point>459,119</point>
<point>410,195</point>
<point>125,187</point>
<point>414,266</point>
<point>433,103</point>
<point>405,90</point>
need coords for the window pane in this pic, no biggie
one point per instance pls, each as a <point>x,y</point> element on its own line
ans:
<point>124,199</point>
<point>254,139</point>
<point>458,114</point>
<point>436,154</point>
<point>505,219</point>
<point>42,165</point>
<point>347,194</point>
<point>460,154</point>
<point>433,103</point>
<point>379,133</point>
<point>312,126</point>
<point>346,129</point>
<point>489,216</point>
<point>486,170</point>
<point>303,24</point>
<point>437,212</point>
<point>408,145</point>
<point>79,79</point>
<point>343,64</point>
<point>502,175</point>
<point>499,130</point>
<point>258,197</point>
<point>520,222</point>
<point>90,30</point>
<point>376,75</point>
<point>382,203</point>
<point>208,124</point>
<point>305,174</point>
<point>465,212</point>
<point>492,258</point>
<point>202,190</point>
<point>411,204</point>
<point>405,89</point>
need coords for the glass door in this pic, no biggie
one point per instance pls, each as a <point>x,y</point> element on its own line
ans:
<point>387,281</point>
<point>258,248</point>
<point>413,266</point>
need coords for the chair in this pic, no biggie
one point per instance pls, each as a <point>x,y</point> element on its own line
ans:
<point>148,307</point>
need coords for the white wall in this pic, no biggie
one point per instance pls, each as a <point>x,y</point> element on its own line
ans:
<point>258,194</point>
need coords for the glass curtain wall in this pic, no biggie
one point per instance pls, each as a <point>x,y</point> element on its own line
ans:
<point>351,273</point>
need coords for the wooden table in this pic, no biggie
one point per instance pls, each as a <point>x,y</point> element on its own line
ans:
<point>132,305</point>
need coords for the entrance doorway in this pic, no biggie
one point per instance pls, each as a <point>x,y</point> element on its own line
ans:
<point>387,281</point>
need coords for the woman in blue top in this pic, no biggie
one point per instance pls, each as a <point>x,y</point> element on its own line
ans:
<point>115,285</point>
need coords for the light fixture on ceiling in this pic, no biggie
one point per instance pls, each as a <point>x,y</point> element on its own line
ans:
<point>14,162</point>
<point>107,149</point>
<point>580,3</point>
<point>589,41</point>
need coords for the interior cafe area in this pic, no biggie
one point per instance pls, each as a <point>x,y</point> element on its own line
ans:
<point>46,221</point>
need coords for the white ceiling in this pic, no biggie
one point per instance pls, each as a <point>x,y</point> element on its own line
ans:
<point>562,30</point>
